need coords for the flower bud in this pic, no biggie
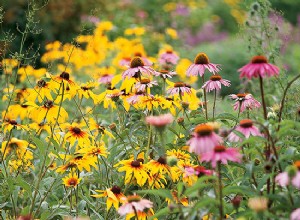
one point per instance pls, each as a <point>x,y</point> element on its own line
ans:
<point>112,127</point>
<point>172,161</point>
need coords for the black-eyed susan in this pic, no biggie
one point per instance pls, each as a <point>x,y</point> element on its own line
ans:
<point>179,154</point>
<point>40,127</point>
<point>41,91</point>
<point>10,124</point>
<point>20,147</point>
<point>48,112</point>
<point>18,110</point>
<point>86,91</point>
<point>182,199</point>
<point>71,180</point>
<point>135,171</point>
<point>150,102</point>
<point>113,196</point>
<point>76,133</point>
<point>156,181</point>
<point>97,129</point>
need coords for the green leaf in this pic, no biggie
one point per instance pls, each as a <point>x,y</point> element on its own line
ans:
<point>200,184</point>
<point>160,192</point>
<point>227,116</point>
<point>160,213</point>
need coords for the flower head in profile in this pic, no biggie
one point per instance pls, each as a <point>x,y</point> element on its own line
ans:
<point>137,68</point>
<point>160,121</point>
<point>291,175</point>
<point>113,195</point>
<point>258,67</point>
<point>72,180</point>
<point>204,139</point>
<point>221,154</point>
<point>215,82</point>
<point>179,88</point>
<point>134,204</point>
<point>245,127</point>
<point>244,101</point>
<point>166,73</point>
<point>168,57</point>
<point>144,84</point>
<point>201,63</point>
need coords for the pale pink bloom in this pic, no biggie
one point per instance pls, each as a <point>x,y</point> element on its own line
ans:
<point>106,78</point>
<point>167,74</point>
<point>201,63</point>
<point>179,88</point>
<point>204,139</point>
<point>134,203</point>
<point>168,58</point>
<point>295,215</point>
<point>244,101</point>
<point>125,62</point>
<point>198,171</point>
<point>144,84</point>
<point>259,67</point>
<point>215,83</point>
<point>282,179</point>
<point>245,127</point>
<point>221,154</point>
<point>137,67</point>
<point>160,120</point>
<point>296,180</point>
<point>135,98</point>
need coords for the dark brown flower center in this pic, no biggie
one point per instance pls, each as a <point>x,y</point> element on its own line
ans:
<point>41,83</point>
<point>215,77</point>
<point>201,58</point>
<point>220,148</point>
<point>203,130</point>
<point>179,84</point>
<point>259,59</point>
<point>141,160</point>
<point>13,122</point>
<point>136,62</point>
<point>65,75</point>
<point>48,104</point>
<point>76,130</point>
<point>72,182</point>
<point>116,190</point>
<point>162,160</point>
<point>135,163</point>
<point>145,81</point>
<point>246,123</point>
<point>84,88</point>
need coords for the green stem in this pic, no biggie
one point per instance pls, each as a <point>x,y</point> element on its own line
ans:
<point>214,106</point>
<point>205,102</point>
<point>263,97</point>
<point>220,191</point>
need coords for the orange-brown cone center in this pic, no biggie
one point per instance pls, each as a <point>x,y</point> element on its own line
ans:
<point>201,58</point>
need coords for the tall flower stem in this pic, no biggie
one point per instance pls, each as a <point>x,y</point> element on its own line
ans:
<point>214,106</point>
<point>220,191</point>
<point>205,102</point>
<point>263,97</point>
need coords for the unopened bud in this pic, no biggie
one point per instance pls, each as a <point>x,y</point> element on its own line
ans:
<point>172,161</point>
<point>112,126</point>
<point>236,201</point>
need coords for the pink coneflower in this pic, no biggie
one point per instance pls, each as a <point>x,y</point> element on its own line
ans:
<point>295,215</point>
<point>201,63</point>
<point>204,139</point>
<point>106,78</point>
<point>221,154</point>
<point>134,204</point>
<point>146,61</point>
<point>137,67</point>
<point>215,83</point>
<point>179,88</point>
<point>125,61</point>
<point>169,57</point>
<point>144,84</point>
<point>167,73</point>
<point>198,171</point>
<point>284,179</point>
<point>135,98</point>
<point>259,66</point>
<point>160,120</point>
<point>244,101</point>
<point>245,127</point>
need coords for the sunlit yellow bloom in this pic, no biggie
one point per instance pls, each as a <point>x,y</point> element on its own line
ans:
<point>20,165</point>
<point>39,127</point>
<point>183,199</point>
<point>85,90</point>
<point>41,91</point>
<point>171,104</point>
<point>72,180</point>
<point>25,72</point>
<point>149,102</point>
<point>19,110</point>
<point>141,215</point>
<point>75,133</point>
<point>138,31</point>
<point>95,151</point>
<point>10,124</point>
<point>181,68</point>
<point>172,33</point>
<point>49,112</point>
<point>113,195</point>
<point>156,180</point>
<point>97,129</point>
<point>79,161</point>
<point>179,154</point>
<point>20,147</point>
<point>135,171</point>
<point>8,65</point>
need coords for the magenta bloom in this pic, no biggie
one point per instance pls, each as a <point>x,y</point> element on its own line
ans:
<point>204,139</point>
<point>198,171</point>
<point>215,83</point>
<point>134,203</point>
<point>106,78</point>
<point>244,101</point>
<point>168,58</point>
<point>200,64</point>
<point>221,154</point>
<point>179,88</point>
<point>135,98</point>
<point>259,67</point>
<point>137,67</point>
<point>144,84</point>
<point>247,128</point>
<point>160,120</point>
<point>295,215</point>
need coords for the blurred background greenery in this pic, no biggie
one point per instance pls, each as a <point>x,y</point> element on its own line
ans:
<point>200,25</point>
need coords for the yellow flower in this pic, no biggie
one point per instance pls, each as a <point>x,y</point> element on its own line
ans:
<point>85,90</point>
<point>75,133</point>
<point>39,127</point>
<point>18,110</point>
<point>157,181</point>
<point>97,129</point>
<point>8,65</point>
<point>41,92</point>
<point>183,199</point>
<point>71,181</point>
<point>138,31</point>
<point>181,68</point>
<point>135,171</point>
<point>10,124</point>
<point>20,147</point>
<point>172,33</point>
<point>113,195</point>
